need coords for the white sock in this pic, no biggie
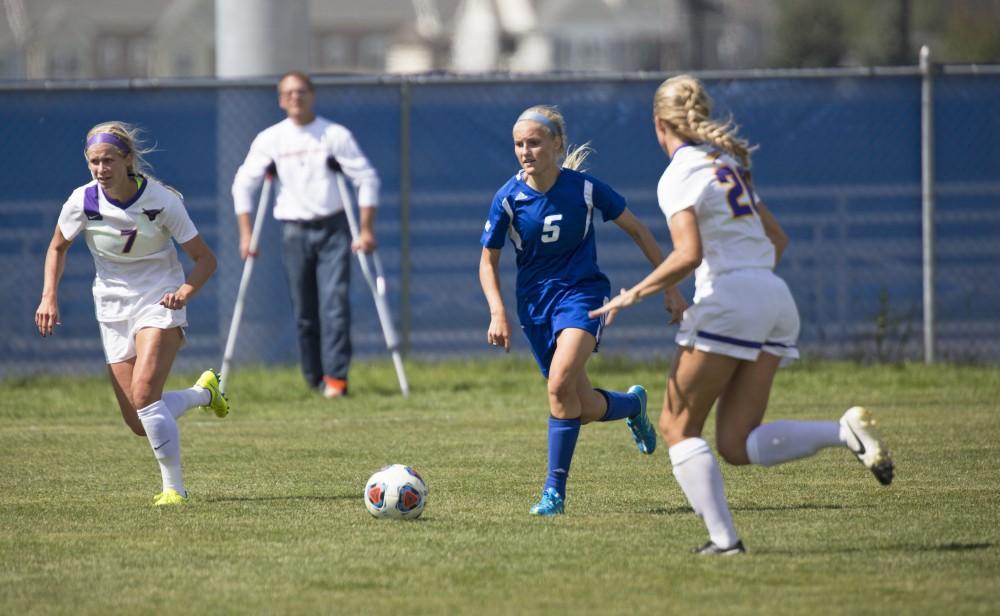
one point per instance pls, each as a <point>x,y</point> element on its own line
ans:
<point>783,441</point>
<point>164,438</point>
<point>699,476</point>
<point>180,400</point>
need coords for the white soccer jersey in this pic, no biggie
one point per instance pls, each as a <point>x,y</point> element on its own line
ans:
<point>718,188</point>
<point>307,189</point>
<point>131,243</point>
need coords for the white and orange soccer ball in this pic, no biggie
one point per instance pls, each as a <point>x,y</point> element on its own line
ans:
<point>395,491</point>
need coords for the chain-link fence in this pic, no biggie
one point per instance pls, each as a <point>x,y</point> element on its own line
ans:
<point>839,163</point>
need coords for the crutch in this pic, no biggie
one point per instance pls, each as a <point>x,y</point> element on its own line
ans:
<point>234,324</point>
<point>376,283</point>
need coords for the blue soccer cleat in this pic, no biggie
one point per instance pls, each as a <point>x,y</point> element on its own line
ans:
<point>642,431</point>
<point>550,504</point>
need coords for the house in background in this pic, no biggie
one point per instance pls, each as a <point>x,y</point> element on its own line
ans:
<point>119,39</point>
<point>182,40</point>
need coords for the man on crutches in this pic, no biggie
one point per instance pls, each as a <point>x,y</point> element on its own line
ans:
<point>316,237</point>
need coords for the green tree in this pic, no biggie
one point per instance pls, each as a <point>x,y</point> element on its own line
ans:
<point>820,33</point>
<point>960,31</point>
<point>810,33</point>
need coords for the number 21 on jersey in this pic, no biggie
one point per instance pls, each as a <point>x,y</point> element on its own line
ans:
<point>738,193</point>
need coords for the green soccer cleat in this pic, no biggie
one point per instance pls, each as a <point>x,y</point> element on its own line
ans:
<point>169,498</point>
<point>219,404</point>
<point>642,431</point>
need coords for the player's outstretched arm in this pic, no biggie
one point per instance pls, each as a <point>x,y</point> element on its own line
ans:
<point>641,235</point>
<point>673,301</point>
<point>685,257</point>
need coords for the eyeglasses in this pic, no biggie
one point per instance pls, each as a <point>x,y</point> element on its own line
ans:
<point>299,92</point>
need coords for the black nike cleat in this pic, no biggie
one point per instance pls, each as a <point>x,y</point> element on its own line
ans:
<point>710,549</point>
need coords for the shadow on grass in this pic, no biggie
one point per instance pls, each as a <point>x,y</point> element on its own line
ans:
<point>954,547</point>
<point>903,547</point>
<point>798,507</point>
<point>671,510</point>
<point>290,498</point>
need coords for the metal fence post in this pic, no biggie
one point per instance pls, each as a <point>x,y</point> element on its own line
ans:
<point>405,307</point>
<point>927,191</point>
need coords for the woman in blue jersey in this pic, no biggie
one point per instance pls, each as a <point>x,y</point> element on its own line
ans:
<point>130,222</point>
<point>548,211</point>
<point>743,322</point>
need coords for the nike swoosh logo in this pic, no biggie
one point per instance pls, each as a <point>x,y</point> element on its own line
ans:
<point>157,448</point>
<point>860,442</point>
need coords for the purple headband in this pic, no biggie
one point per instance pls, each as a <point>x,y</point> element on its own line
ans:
<point>108,138</point>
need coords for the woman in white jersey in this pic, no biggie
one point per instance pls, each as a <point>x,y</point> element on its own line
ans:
<point>130,222</point>
<point>742,324</point>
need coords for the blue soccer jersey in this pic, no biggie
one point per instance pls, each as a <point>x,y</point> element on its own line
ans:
<point>553,235</point>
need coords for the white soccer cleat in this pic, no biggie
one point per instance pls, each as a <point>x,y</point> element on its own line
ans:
<point>859,429</point>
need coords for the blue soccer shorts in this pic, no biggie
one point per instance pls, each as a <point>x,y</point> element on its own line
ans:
<point>569,311</point>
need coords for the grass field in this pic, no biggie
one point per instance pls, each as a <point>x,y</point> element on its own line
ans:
<point>277,524</point>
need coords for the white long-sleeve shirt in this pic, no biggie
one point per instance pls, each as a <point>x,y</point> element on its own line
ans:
<point>306,188</point>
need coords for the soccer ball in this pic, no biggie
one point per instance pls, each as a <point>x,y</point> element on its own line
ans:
<point>395,491</point>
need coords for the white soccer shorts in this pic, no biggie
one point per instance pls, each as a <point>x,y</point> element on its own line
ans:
<point>741,313</point>
<point>118,337</point>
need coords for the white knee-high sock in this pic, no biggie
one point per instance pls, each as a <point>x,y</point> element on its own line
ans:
<point>783,441</point>
<point>164,438</point>
<point>180,401</point>
<point>699,476</point>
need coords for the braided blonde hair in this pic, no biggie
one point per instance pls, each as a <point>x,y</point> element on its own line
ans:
<point>686,107</point>
<point>132,137</point>
<point>572,158</point>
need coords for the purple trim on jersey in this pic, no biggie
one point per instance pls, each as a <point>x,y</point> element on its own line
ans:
<point>109,139</point>
<point>778,344</point>
<point>135,197</point>
<point>91,206</point>
<point>737,341</point>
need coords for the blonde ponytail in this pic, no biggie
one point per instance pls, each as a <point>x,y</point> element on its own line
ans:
<point>684,104</point>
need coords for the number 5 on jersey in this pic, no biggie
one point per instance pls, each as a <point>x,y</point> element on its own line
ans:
<point>550,231</point>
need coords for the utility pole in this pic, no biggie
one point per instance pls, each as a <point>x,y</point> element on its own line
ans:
<point>698,12</point>
<point>254,38</point>
<point>902,54</point>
